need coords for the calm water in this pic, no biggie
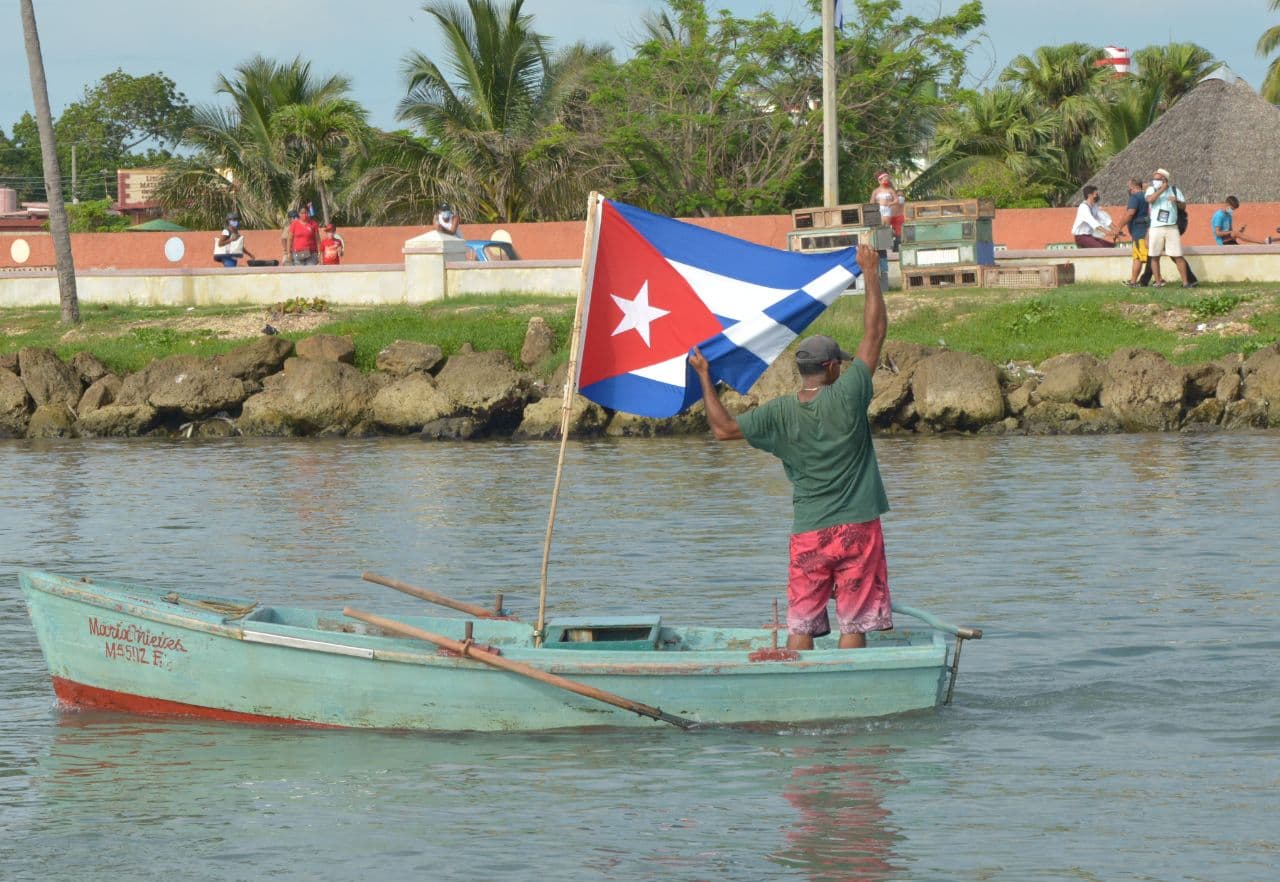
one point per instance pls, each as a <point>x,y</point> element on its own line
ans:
<point>1120,721</point>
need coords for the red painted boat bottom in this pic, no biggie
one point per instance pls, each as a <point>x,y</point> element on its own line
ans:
<point>72,694</point>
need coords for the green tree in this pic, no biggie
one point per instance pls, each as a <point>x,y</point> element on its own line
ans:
<point>1131,103</point>
<point>95,216</point>
<point>495,129</point>
<point>1268,43</point>
<point>1166,73</point>
<point>1068,82</point>
<point>897,75</point>
<point>109,127</point>
<point>719,115</point>
<point>997,143</point>
<point>22,162</point>
<point>122,121</point>
<point>288,138</point>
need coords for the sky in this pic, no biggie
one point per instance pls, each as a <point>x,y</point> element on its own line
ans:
<point>192,43</point>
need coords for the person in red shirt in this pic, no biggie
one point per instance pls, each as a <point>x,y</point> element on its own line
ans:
<point>304,235</point>
<point>331,246</point>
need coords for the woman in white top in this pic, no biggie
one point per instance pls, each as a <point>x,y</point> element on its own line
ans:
<point>890,202</point>
<point>228,248</point>
<point>1092,223</point>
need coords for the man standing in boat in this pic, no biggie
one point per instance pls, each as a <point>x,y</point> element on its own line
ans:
<point>823,437</point>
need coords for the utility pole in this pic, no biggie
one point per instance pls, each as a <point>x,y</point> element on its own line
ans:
<point>74,192</point>
<point>830,158</point>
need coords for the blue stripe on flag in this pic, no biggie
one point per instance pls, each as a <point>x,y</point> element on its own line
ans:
<point>796,311</point>
<point>728,256</point>
<point>738,367</point>
<point>642,396</point>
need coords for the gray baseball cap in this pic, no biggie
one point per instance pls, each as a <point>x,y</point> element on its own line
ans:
<point>820,349</point>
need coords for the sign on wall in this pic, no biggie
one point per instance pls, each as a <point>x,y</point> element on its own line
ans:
<point>137,188</point>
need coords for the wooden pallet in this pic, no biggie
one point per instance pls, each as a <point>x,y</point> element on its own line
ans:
<point>947,209</point>
<point>1015,275</point>
<point>941,277</point>
<point>857,215</point>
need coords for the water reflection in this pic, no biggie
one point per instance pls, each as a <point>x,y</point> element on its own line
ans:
<point>842,830</point>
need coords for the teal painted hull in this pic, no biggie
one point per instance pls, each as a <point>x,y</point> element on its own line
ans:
<point>126,647</point>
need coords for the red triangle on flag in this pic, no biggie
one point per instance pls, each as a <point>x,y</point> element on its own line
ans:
<point>657,302</point>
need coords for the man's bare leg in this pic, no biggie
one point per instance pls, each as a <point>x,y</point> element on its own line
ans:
<point>847,641</point>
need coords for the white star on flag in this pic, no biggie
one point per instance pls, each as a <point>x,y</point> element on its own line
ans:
<point>637,314</point>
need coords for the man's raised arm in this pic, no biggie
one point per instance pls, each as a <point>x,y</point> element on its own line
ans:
<point>723,425</point>
<point>875,318</point>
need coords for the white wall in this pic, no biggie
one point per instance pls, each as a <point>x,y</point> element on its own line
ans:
<point>263,286</point>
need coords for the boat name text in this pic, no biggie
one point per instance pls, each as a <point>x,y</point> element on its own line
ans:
<point>130,643</point>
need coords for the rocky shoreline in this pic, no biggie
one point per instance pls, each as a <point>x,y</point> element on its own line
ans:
<point>271,387</point>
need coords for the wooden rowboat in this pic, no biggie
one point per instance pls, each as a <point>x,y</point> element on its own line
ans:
<point>123,647</point>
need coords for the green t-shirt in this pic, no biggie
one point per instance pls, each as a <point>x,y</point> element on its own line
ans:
<point>825,448</point>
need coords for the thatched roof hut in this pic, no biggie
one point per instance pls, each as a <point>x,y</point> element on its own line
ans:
<point>1220,139</point>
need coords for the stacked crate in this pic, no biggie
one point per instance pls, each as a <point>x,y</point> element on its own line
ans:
<point>945,243</point>
<point>816,230</point>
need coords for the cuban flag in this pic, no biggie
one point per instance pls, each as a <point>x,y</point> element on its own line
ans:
<point>657,287</point>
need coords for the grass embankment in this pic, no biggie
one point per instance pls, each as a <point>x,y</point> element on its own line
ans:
<point>127,339</point>
<point>1187,327</point>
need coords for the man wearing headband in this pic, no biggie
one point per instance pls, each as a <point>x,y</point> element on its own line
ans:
<point>822,434</point>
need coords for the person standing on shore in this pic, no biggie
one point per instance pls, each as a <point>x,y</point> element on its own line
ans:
<point>1163,237</point>
<point>304,239</point>
<point>1137,217</point>
<point>822,434</point>
<point>332,247</point>
<point>286,242</point>
<point>891,204</point>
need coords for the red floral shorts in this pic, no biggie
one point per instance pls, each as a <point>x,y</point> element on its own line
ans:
<point>846,562</point>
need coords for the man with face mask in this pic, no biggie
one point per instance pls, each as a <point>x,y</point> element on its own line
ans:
<point>1164,238</point>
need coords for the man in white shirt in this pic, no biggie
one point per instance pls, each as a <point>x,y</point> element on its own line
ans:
<point>1092,223</point>
<point>1163,237</point>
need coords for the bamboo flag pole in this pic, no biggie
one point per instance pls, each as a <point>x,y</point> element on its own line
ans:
<point>830,135</point>
<point>566,408</point>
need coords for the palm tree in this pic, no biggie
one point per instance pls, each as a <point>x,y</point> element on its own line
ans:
<point>1169,72</point>
<point>1165,74</point>
<point>287,139</point>
<point>494,125</point>
<point>1000,132</point>
<point>1269,42</point>
<point>1067,81</point>
<point>68,301</point>
<point>319,139</point>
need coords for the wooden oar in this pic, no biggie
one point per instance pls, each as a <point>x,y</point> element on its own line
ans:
<point>432,597</point>
<point>515,667</point>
